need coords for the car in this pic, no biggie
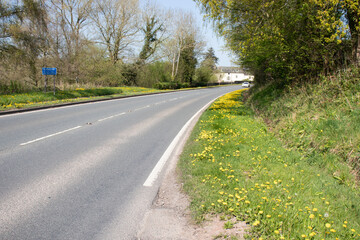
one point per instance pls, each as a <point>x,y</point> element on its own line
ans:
<point>246,84</point>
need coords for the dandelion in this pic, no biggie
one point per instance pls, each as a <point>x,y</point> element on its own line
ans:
<point>276,232</point>
<point>312,216</point>
<point>328,225</point>
<point>256,223</point>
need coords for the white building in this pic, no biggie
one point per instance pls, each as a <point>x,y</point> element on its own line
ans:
<point>233,75</point>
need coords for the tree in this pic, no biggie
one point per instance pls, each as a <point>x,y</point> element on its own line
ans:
<point>117,25</point>
<point>187,61</point>
<point>331,15</point>
<point>23,33</point>
<point>154,31</point>
<point>283,39</point>
<point>184,38</point>
<point>210,60</point>
<point>71,16</point>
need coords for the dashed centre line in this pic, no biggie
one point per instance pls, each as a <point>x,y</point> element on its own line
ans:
<point>100,120</point>
<point>51,135</point>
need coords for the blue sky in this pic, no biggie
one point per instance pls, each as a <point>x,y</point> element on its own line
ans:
<point>210,37</point>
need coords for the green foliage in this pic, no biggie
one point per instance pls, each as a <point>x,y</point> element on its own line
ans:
<point>151,41</point>
<point>23,31</point>
<point>171,85</point>
<point>153,73</point>
<point>105,73</point>
<point>210,60</point>
<point>13,87</point>
<point>320,118</point>
<point>293,40</point>
<point>187,61</point>
<point>234,165</point>
<point>204,75</point>
<point>129,73</point>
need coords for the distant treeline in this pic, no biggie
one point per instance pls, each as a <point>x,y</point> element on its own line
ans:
<point>99,43</point>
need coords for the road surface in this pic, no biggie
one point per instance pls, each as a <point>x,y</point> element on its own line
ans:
<point>87,171</point>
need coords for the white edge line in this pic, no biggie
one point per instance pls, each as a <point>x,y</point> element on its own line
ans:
<point>164,158</point>
<point>51,135</point>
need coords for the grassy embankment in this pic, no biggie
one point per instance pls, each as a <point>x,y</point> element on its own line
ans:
<point>234,166</point>
<point>35,99</point>
<point>321,119</point>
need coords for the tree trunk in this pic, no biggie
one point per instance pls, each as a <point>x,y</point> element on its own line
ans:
<point>173,68</point>
<point>353,19</point>
<point>357,49</point>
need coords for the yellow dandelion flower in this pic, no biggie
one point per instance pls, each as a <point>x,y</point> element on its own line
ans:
<point>328,225</point>
<point>311,216</point>
<point>276,232</point>
<point>257,222</point>
<point>332,230</point>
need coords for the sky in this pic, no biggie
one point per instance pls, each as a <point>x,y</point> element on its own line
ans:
<point>210,37</point>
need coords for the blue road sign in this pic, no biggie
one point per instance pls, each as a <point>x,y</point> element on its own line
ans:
<point>49,71</point>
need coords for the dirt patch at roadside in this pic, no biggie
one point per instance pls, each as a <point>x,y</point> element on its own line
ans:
<point>170,217</point>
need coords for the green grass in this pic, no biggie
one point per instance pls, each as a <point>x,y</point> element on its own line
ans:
<point>321,118</point>
<point>234,166</point>
<point>33,99</point>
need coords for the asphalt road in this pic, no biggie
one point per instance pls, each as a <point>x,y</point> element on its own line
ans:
<point>84,171</point>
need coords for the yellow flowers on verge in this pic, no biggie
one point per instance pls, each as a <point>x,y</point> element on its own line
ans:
<point>250,177</point>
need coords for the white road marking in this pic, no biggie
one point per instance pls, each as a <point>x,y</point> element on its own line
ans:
<point>160,102</point>
<point>48,136</point>
<point>107,118</point>
<point>117,115</point>
<point>77,105</point>
<point>165,157</point>
<point>147,106</point>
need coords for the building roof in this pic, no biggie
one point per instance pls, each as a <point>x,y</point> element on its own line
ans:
<point>230,69</point>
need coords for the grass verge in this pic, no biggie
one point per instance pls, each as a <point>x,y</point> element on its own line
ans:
<point>234,166</point>
<point>35,99</point>
<point>322,118</point>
